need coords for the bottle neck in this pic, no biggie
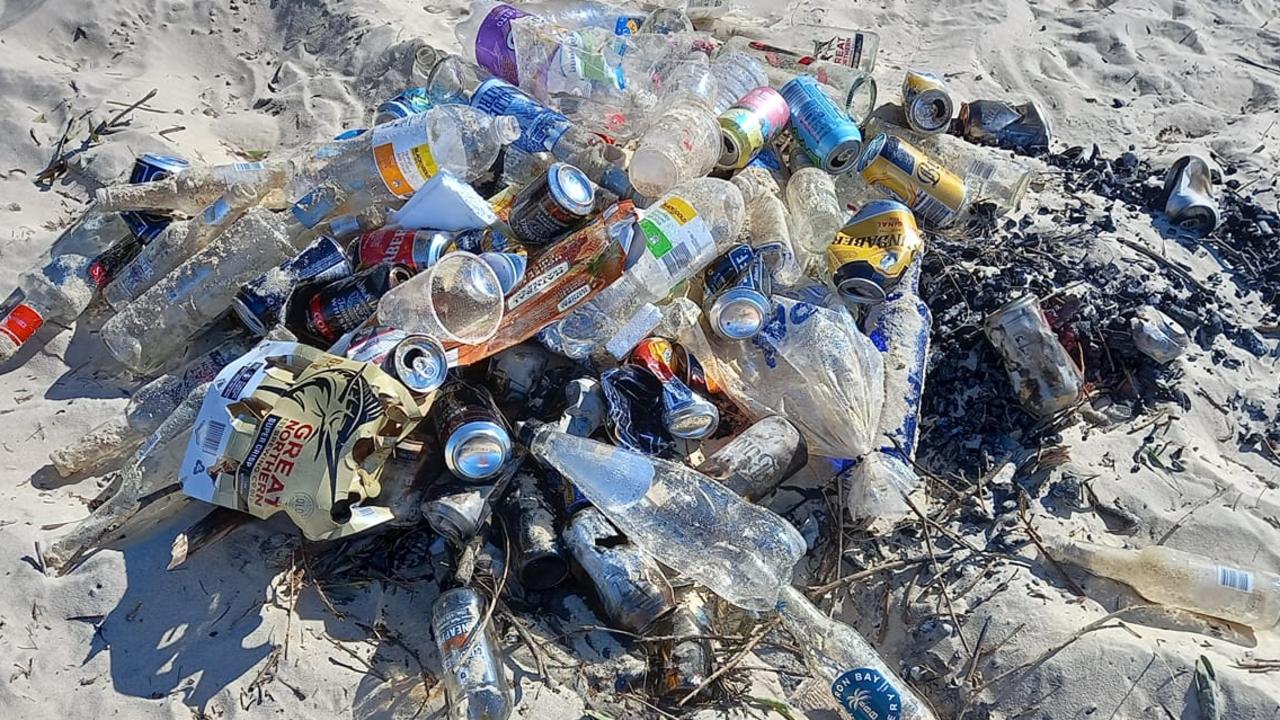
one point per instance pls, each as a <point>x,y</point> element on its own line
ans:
<point>1098,559</point>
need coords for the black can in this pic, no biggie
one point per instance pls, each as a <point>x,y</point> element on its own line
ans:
<point>555,204</point>
<point>329,311</point>
<point>541,560</point>
<point>260,304</point>
<point>143,227</point>
<point>476,437</point>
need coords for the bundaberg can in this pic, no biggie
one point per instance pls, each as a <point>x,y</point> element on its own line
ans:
<point>753,122</point>
<point>829,136</point>
<point>935,194</point>
<point>414,249</point>
<point>868,256</point>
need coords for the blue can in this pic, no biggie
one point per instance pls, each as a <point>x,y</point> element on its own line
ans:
<point>828,135</point>
<point>726,268</point>
<point>260,304</point>
<point>739,309</point>
<point>413,101</point>
<point>540,127</point>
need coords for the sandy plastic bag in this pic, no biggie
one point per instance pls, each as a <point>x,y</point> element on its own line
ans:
<point>810,364</point>
<point>291,428</point>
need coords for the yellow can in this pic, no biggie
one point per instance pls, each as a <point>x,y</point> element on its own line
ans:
<point>935,194</point>
<point>926,102</point>
<point>868,256</point>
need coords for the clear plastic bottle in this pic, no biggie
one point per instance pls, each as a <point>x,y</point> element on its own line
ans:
<point>990,175</point>
<point>148,407</point>
<point>853,90</point>
<point>768,223</point>
<point>816,212</point>
<point>899,328</point>
<point>683,143</point>
<point>860,680</point>
<point>1192,582</point>
<point>742,552</point>
<point>736,75</point>
<point>683,232</point>
<point>190,192</point>
<point>157,325</point>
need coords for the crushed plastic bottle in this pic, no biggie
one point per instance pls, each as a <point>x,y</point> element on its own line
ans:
<point>695,525</point>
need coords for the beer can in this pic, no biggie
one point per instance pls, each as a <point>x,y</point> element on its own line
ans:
<point>334,309</point>
<point>725,269</point>
<point>553,205</point>
<point>476,439</point>
<point>260,303</point>
<point>935,194</point>
<point>759,459</point>
<point>750,124</point>
<point>868,256</point>
<point>412,101</point>
<point>414,249</point>
<point>632,589</point>
<point>685,413</point>
<point>829,136</point>
<point>143,226</point>
<point>417,361</point>
<point>926,102</point>
<point>1044,377</point>
<point>738,309</point>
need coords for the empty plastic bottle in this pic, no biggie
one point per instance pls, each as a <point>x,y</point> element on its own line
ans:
<point>769,225</point>
<point>736,75</point>
<point>693,524</point>
<point>192,191</point>
<point>683,143</point>
<point>148,407</point>
<point>1184,580</point>
<point>816,212</point>
<point>157,325</point>
<point>62,289</point>
<point>860,680</point>
<point>683,232</point>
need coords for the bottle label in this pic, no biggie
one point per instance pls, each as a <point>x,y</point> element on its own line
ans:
<point>403,157</point>
<point>867,695</point>
<point>540,127</point>
<point>1235,578</point>
<point>21,323</point>
<point>495,48</point>
<point>677,235</point>
<point>846,50</point>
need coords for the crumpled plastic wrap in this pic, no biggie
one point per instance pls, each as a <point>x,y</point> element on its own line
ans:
<point>810,364</point>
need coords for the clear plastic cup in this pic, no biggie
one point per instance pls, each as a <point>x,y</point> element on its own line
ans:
<point>459,299</point>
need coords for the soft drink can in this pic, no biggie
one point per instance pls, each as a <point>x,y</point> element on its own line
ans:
<point>414,249</point>
<point>829,136</point>
<point>417,361</point>
<point>739,309</point>
<point>341,306</point>
<point>752,122</point>
<point>143,226</point>
<point>413,101</point>
<point>926,102</point>
<point>555,204</point>
<point>725,269</point>
<point>868,256</point>
<point>935,194</point>
<point>473,429</point>
<point>260,304</point>
<point>686,414</point>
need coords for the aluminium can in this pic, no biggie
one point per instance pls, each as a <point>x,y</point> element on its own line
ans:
<point>751,124</point>
<point>554,204</point>
<point>926,102</point>
<point>334,309</point>
<point>827,133</point>
<point>419,362</point>
<point>260,303</point>
<point>935,194</point>
<point>739,309</point>
<point>1044,377</point>
<point>868,256</point>
<point>477,440</point>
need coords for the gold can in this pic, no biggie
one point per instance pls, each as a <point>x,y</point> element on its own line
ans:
<point>868,256</point>
<point>935,194</point>
<point>926,102</point>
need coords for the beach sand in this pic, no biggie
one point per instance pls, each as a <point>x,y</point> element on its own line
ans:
<point>226,637</point>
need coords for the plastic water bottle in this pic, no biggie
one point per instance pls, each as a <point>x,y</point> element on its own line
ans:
<point>769,225</point>
<point>815,209</point>
<point>683,143</point>
<point>689,522</point>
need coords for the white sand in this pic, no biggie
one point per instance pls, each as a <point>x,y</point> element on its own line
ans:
<point>253,75</point>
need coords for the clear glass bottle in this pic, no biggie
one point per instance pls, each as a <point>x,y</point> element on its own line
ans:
<point>842,45</point>
<point>62,289</point>
<point>1184,580</point>
<point>157,325</point>
<point>147,409</point>
<point>742,552</point>
<point>861,682</point>
<point>853,90</point>
<point>990,175</point>
<point>475,682</point>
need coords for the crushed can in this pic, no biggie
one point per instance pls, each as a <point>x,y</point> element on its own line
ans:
<point>1022,128</point>
<point>1044,377</point>
<point>1188,196</point>
<point>868,256</point>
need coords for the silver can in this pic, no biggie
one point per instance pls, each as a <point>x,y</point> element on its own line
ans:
<point>633,592</point>
<point>477,441</point>
<point>1044,377</point>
